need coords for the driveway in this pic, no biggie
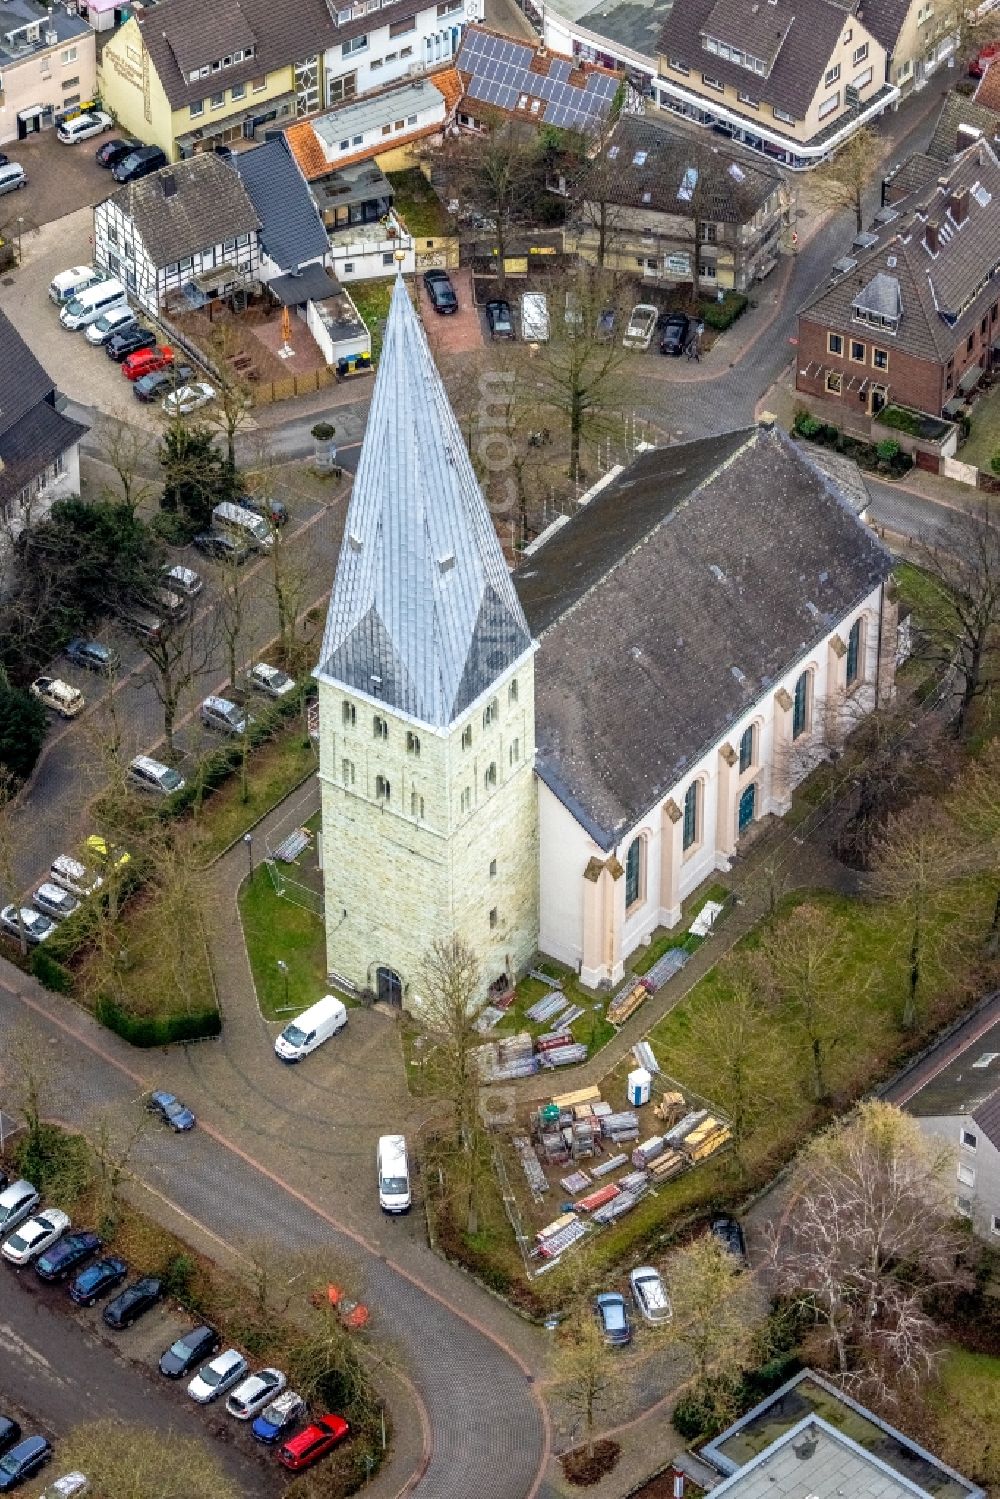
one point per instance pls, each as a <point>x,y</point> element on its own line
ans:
<point>457,332</point>
<point>60,180</point>
<point>59,1369</point>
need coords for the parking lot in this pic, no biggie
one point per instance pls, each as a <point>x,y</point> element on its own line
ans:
<point>60,179</point>
<point>459,332</point>
<point>60,1367</point>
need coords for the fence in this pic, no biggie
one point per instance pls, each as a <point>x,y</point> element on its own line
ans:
<point>266,392</point>
<point>280,852</point>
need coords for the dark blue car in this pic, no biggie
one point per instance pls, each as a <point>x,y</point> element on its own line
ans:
<point>97,1280</point>
<point>171,1110</point>
<point>64,1256</point>
<point>277,1419</point>
<point>20,1462</point>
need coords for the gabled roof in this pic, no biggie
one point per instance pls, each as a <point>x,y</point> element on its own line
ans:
<point>987,95</point>
<point>966,1082</point>
<point>423,615</point>
<point>651,162</point>
<point>187,207</point>
<point>671,602</point>
<point>884,19</point>
<point>291,231</point>
<point>32,432</point>
<point>958,110</point>
<point>23,381</point>
<point>526,81</point>
<point>810,30</point>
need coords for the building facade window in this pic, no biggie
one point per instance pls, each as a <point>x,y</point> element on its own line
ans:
<point>467,737</point>
<point>801,705</point>
<point>859,351</point>
<point>347,771</point>
<point>834,343</point>
<point>995,1224</point>
<point>416,805</point>
<point>217,101</point>
<point>380,729</point>
<point>691,811</point>
<point>834,382</point>
<point>969,1140</point>
<point>859,54</point>
<point>350,714</point>
<point>713,83</point>
<point>880,359</point>
<point>356,44</point>
<point>493,869</point>
<point>490,776</point>
<point>746,749</point>
<point>383,791</point>
<point>412,744</point>
<point>780,114</point>
<point>515,751</point>
<point>490,713</point>
<point>194,110</point>
<point>964,1206</point>
<point>967,1175</point>
<point>466,799</point>
<point>258,85</point>
<point>854,654</point>
<point>633,873</point>
<point>512,692</point>
<point>237,92</point>
<point>494,918</point>
<point>829,104</point>
<point>832,75</point>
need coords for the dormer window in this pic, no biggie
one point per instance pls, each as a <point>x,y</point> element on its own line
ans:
<point>734,54</point>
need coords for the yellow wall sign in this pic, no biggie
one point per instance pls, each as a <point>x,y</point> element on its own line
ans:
<point>516,265</point>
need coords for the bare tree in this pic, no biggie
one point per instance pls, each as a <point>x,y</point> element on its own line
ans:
<point>229,413</point>
<point>738,1045</point>
<point>712,1322</point>
<point>179,653</point>
<point>842,181</point>
<point>113,1148</point>
<point>868,1241</point>
<point>591,179</point>
<point>963,631</point>
<point>493,173</point>
<point>134,1462</point>
<point>975,805</point>
<point>128,452</point>
<point>585,1369</point>
<point>9,840</point>
<point>449,985</point>
<point>916,859</point>
<point>803,959</point>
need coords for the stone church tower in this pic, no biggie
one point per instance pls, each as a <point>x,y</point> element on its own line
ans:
<point>426,702</point>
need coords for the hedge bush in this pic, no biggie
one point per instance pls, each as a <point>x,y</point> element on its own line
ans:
<point>721,315</point>
<point>48,971</point>
<point>156,1030</point>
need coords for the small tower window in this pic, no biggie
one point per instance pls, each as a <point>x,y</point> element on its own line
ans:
<point>512,692</point>
<point>515,751</point>
<point>467,737</point>
<point>412,743</point>
<point>490,778</point>
<point>416,805</point>
<point>493,869</point>
<point>350,715</point>
<point>490,713</point>
<point>347,771</point>
<point>467,799</point>
<point>383,791</point>
<point>379,727</point>
<point>494,918</point>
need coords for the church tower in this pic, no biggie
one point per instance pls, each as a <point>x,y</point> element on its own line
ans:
<point>426,702</point>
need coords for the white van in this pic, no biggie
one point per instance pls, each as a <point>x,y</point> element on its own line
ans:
<point>314,1026</point>
<point>245,524</point>
<point>69,284</point>
<point>90,304</point>
<point>393,1173</point>
<point>534,318</point>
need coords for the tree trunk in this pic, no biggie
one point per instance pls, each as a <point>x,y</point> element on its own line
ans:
<point>910,1008</point>
<point>859,213</point>
<point>819,1081</point>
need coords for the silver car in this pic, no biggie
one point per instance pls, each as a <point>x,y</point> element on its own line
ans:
<point>270,679</point>
<point>53,901</point>
<point>36,927</point>
<point>219,1375</point>
<point>16,1202</point>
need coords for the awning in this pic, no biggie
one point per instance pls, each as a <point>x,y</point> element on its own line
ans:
<point>311,284</point>
<point>953,407</point>
<point>971,378</point>
<point>32,112</point>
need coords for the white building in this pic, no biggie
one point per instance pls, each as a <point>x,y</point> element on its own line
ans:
<point>39,445</point>
<point>410,39</point>
<point>669,662</point>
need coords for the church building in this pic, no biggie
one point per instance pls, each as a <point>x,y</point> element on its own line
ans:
<point>555,759</point>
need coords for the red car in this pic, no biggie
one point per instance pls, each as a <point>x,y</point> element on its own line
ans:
<point>147,361</point>
<point>983,58</point>
<point>301,1451</point>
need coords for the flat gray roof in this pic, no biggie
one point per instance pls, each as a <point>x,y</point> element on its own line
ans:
<point>381,109</point>
<point>812,1461</point>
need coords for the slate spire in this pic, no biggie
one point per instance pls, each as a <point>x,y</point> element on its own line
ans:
<point>423,614</point>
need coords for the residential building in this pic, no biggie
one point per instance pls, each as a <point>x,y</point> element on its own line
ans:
<point>525,762</point>
<point>796,1443</point>
<point>383,127</point>
<point>525,81</point>
<point>959,1106</point>
<point>791,81</point>
<point>375,46</point>
<point>39,445</point>
<point>190,225</point>
<point>291,234</point>
<point>918,36</point>
<point>960,123</point>
<point>47,65</point>
<point>661,190</point>
<point>912,316</point>
<point>187,78</point>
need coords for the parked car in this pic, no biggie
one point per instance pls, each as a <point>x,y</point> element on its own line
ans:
<point>605,330</point>
<point>183,580</point>
<point>69,284</point>
<point>63,699</point>
<point>10,1432</point>
<point>129,341</point>
<point>674,334</point>
<point>270,679</point>
<point>641,323</point>
<point>498,317</point>
<point>34,926</point>
<point>97,1280</point>
<point>66,1486</point>
<point>222,547</point>
<point>534,317</point>
<point>82,127</point>
<point>650,1294</point>
<point>153,386</point>
<point>34,1235</point>
<point>115,320</point>
<point>111,152</point>
<point>215,1378</point>
<point>251,1396</point>
<point>73,876</point>
<point>139,164</point>
<point>189,1351</point>
<point>131,1303</point>
<point>312,1443</point>
<point>12,176</point>
<point>23,1461</point>
<point>612,1313</point>
<point>440,291</point>
<point>152,775</point>
<point>66,1254</point>
<point>225,716</point>
<point>188,398</point>
<point>983,58</point>
<point>92,655</point>
<point>278,1418</point>
<point>275,512</point>
<point>52,900</point>
<point>730,1235</point>
<point>17,1202</point>
<point>147,361</point>
<point>171,1111</point>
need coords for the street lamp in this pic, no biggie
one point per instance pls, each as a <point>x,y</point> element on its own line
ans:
<point>20,226</point>
<point>283,970</point>
<point>248,840</point>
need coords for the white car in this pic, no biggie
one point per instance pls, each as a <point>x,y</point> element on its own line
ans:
<point>219,1375</point>
<point>82,127</point>
<point>250,1397</point>
<point>66,1486</point>
<point>58,695</point>
<point>641,326</point>
<point>650,1294</point>
<point>183,580</point>
<point>52,900</point>
<point>36,926</point>
<point>188,398</point>
<point>35,1235</point>
<point>270,679</point>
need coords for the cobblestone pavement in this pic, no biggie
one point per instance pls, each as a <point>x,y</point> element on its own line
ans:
<point>60,179</point>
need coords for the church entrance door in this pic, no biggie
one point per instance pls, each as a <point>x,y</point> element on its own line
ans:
<point>748,805</point>
<point>389,986</point>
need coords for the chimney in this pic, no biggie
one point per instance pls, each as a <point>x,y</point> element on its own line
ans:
<point>966,136</point>
<point>958,204</point>
<point>931,236</point>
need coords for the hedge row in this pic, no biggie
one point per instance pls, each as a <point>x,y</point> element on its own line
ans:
<point>156,1030</point>
<point>722,315</point>
<point>217,766</point>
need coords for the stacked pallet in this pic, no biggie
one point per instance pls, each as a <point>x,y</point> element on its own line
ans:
<point>554,1148</point>
<point>628,999</point>
<point>705,1139</point>
<point>647,1151</point>
<point>595,1200</point>
<point>670,1163</point>
<point>670,1108</point>
<point>537,1180</point>
<point>681,1130</point>
<point>544,1008</point>
<point>552,1039</point>
<point>507,1058</point>
<point>582,1139</point>
<point>575,1182</point>
<point>672,962</point>
<point>620,1128</point>
<point>633,1181</point>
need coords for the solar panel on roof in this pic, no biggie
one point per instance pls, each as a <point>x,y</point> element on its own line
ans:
<point>501,75</point>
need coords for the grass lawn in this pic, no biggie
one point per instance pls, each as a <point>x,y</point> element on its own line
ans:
<point>417,204</point>
<point>924,595</point>
<point>984,439</point>
<point>276,928</point>
<point>275,770</point>
<point>965,1409</point>
<point>371,298</point>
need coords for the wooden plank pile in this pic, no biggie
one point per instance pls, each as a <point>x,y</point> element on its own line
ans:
<point>507,1058</point>
<point>670,1108</point>
<point>579,1095</point>
<point>705,1139</point>
<point>630,996</point>
<point>670,1163</point>
<point>556,1237</point>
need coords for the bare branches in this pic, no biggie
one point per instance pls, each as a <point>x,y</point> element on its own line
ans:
<point>711,1321</point>
<point>805,969</point>
<point>842,181</point>
<point>964,630</point>
<point>585,1369</point>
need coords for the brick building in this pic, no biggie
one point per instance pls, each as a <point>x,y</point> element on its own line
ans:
<point>911,315</point>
